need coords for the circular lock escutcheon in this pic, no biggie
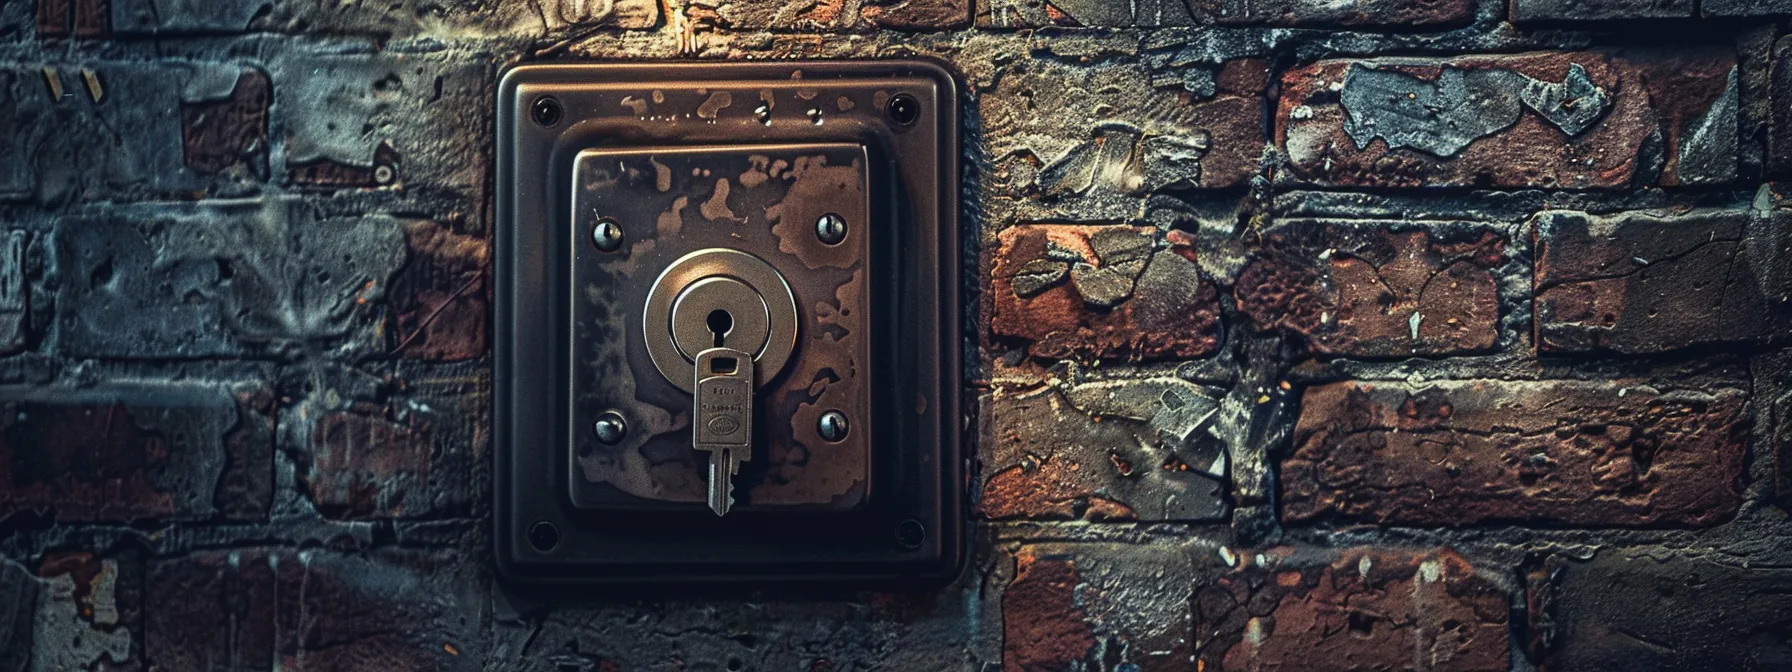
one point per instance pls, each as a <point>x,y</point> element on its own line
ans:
<point>675,320</point>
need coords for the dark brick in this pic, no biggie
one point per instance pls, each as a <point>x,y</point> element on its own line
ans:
<point>129,453</point>
<point>347,116</point>
<point>20,596</point>
<point>1599,10</point>
<point>1097,605</point>
<point>1653,282</point>
<point>1461,453</point>
<point>1779,136</point>
<point>1128,132</point>
<point>15,291</point>
<point>1352,609</point>
<point>1573,120</point>
<point>440,299</point>
<point>54,18</point>
<point>406,459</point>
<point>1744,7</point>
<point>92,18</point>
<point>230,132</point>
<point>1656,610</point>
<point>1377,289</point>
<point>1101,292</point>
<point>221,279</point>
<point>1120,450</point>
<point>114,134</point>
<point>1092,13</point>
<point>1323,13</point>
<point>312,610</point>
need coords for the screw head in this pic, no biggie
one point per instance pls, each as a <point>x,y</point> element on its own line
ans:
<point>545,111</point>
<point>543,536</point>
<point>383,174</point>
<point>606,234</point>
<point>831,228</point>
<point>832,426</point>
<point>911,533</point>
<point>763,114</point>
<point>610,428</point>
<point>904,109</point>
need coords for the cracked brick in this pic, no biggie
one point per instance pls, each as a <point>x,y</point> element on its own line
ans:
<point>169,451</point>
<point>1565,120</point>
<point>440,299</point>
<point>1352,609</point>
<point>1659,610</point>
<point>1377,289</point>
<point>1101,292</point>
<point>1106,606</point>
<point>221,279</point>
<point>1462,453</point>
<point>1643,282</point>
<point>1119,450</point>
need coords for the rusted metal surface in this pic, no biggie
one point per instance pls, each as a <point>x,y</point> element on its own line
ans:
<point>763,201</point>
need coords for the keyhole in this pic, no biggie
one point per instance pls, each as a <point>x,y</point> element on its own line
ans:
<point>720,323</point>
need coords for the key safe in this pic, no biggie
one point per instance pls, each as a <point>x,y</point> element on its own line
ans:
<point>727,336</point>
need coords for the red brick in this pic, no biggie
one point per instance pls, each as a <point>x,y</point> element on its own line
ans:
<point>1575,120</point>
<point>1102,451</point>
<point>365,464</point>
<point>54,17</point>
<point>93,18</point>
<point>1354,609</point>
<point>1653,282</point>
<point>440,299</point>
<point>142,453</point>
<point>1377,289</point>
<point>220,134</point>
<point>1097,605</point>
<point>918,14</point>
<point>1461,453</point>
<point>1101,292</point>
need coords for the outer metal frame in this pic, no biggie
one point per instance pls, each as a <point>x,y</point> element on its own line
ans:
<point>919,305</point>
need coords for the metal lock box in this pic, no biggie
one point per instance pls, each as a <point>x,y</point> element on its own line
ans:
<point>759,260</point>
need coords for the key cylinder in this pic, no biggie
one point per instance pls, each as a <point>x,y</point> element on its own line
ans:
<point>758,305</point>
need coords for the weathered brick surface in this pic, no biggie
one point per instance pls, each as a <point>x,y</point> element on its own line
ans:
<point>1744,7</point>
<point>1354,609</point>
<point>1459,453</point>
<point>1779,141</point>
<point>1119,450</point>
<point>218,135</point>
<point>91,612</point>
<point>1569,120</point>
<point>170,451</point>
<point>258,608</point>
<point>1644,282</point>
<point>1101,605</point>
<point>1656,609</point>
<point>368,461</point>
<point>1101,292</point>
<point>1377,289</point>
<point>1172,13</point>
<point>440,299</point>
<point>1596,10</point>
<point>82,147</point>
<point>221,279</point>
<point>1124,138</point>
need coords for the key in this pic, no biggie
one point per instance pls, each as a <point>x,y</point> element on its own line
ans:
<point>723,425</point>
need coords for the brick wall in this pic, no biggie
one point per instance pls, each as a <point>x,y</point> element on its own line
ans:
<point>1390,334</point>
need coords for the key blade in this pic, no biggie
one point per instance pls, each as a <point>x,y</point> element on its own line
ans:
<point>721,481</point>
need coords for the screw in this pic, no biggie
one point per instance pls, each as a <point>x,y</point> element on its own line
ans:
<point>546,111</point>
<point>910,533</point>
<point>544,536</point>
<point>831,228</point>
<point>383,174</point>
<point>832,426</point>
<point>606,234</point>
<point>610,428</point>
<point>904,109</point>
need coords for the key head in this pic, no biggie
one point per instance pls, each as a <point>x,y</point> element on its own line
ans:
<point>724,401</point>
